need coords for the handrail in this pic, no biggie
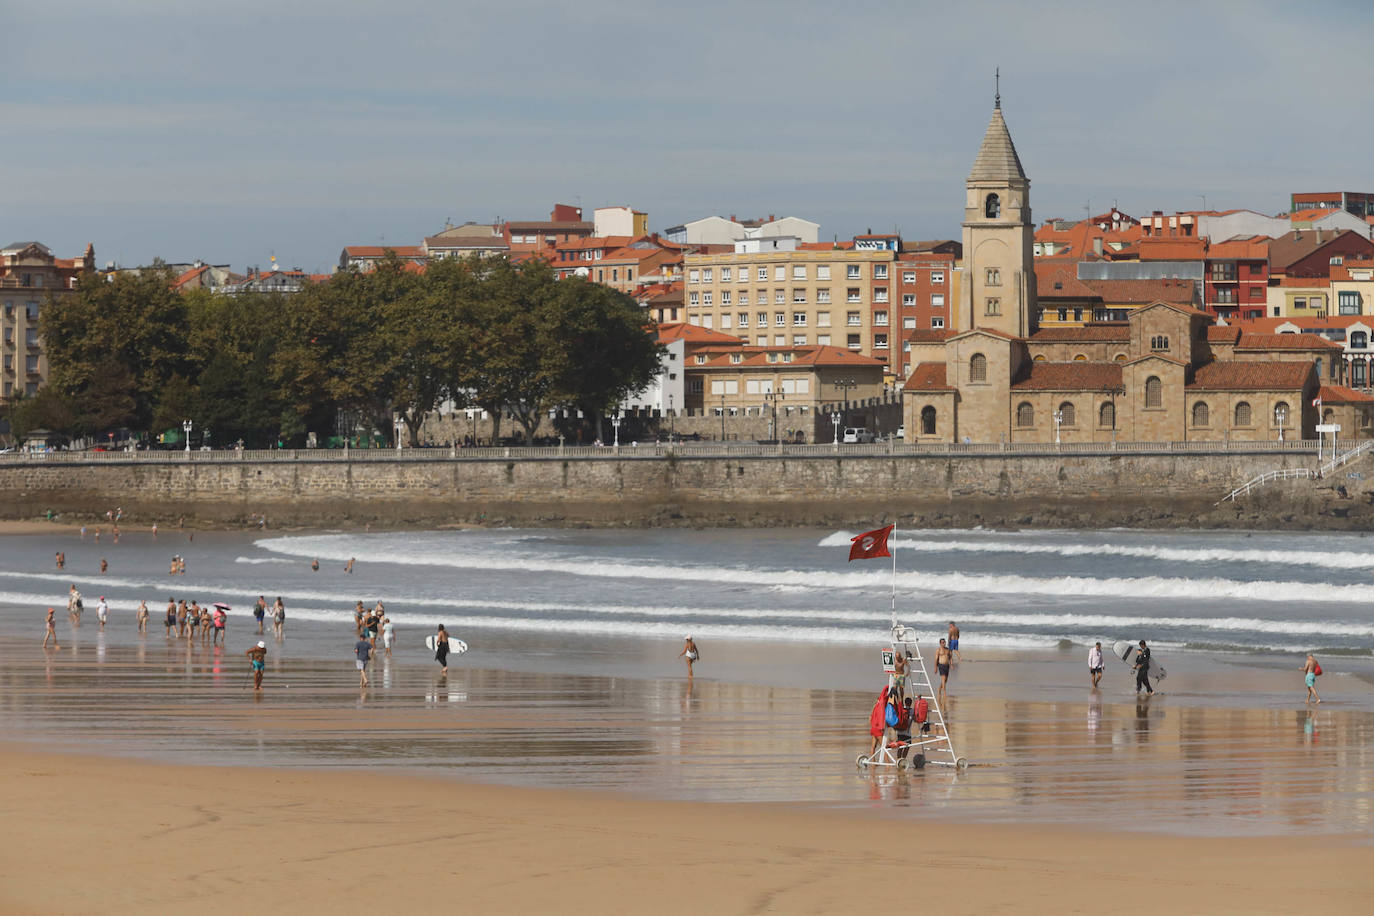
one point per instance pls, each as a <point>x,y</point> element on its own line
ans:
<point>1281,474</point>
<point>1345,457</point>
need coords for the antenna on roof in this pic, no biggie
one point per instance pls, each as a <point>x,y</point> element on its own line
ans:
<point>997,82</point>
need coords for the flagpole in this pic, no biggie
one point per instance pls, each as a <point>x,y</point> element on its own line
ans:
<point>893,551</point>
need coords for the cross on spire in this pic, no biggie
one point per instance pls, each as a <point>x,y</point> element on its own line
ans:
<point>997,78</point>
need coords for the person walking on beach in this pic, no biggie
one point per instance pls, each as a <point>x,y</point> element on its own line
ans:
<point>362,649</point>
<point>52,631</point>
<point>221,620</point>
<point>954,642</point>
<point>942,662</point>
<point>278,618</point>
<point>102,611</point>
<point>1142,670</point>
<point>1310,670</point>
<point>1095,663</point>
<point>260,612</point>
<point>689,652</point>
<point>388,635</point>
<point>74,606</point>
<point>258,658</point>
<point>171,621</point>
<point>143,618</point>
<point>441,648</point>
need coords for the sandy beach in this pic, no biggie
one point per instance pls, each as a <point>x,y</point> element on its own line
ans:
<point>98,835</point>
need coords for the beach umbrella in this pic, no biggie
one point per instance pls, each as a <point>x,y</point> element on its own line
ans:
<point>222,606</point>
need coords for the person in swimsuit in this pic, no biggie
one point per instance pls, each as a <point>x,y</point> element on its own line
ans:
<point>221,620</point>
<point>102,611</point>
<point>143,617</point>
<point>52,631</point>
<point>258,657</point>
<point>1095,663</point>
<point>279,618</point>
<point>954,642</point>
<point>691,653</point>
<point>388,635</point>
<point>192,620</point>
<point>1309,675</point>
<point>441,648</point>
<point>942,660</point>
<point>260,611</point>
<point>171,616</point>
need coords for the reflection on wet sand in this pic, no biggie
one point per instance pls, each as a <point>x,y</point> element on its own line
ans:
<point>1146,765</point>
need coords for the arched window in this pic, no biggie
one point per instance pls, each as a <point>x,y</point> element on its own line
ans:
<point>1039,357</point>
<point>1243,414</point>
<point>1106,415</point>
<point>1201,415</point>
<point>992,207</point>
<point>1358,340</point>
<point>1282,415</point>
<point>1160,342</point>
<point>1154,392</point>
<point>993,277</point>
<point>1066,414</point>
<point>1025,414</point>
<point>1080,358</point>
<point>978,368</point>
<point>927,421</point>
<point>1319,369</point>
<point>1120,357</point>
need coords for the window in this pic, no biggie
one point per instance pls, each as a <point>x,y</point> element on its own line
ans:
<point>707,298</point>
<point>880,271</point>
<point>1328,415</point>
<point>725,321</point>
<point>743,319</point>
<point>992,208</point>
<point>798,319</point>
<point>992,306</point>
<point>744,297</point>
<point>822,295</point>
<point>1223,272</point>
<point>1159,343</point>
<point>937,276</point>
<point>978,368</point>
<point>823,339</point>
<point>615,274</point>
<point>725,275</point>
<point>853,341</point>
<point>851,272</point>
<point>1067,417</point>
<point>31,310</point>
<point>1106,415</point>
<point>693,298</point>
<point>1242,414</point>
<point>880,318</point>
<point>1077,314</point>
<point>908,300</point>
<point>1348,302</point>
<point>822,271</point>
<point>880,294</point>
<point>1201,415</point>
<point>1154,392</point>
<point>1299,302</point>
<point>779,296</point>
<point>1080,358</point>
<point>798,340</point>
<point>1358,340</point>
<point>880,341</point>
<point>852,319</point>
<point>906,346</point>
<point>927,421</point>
<point>1282,414</point>
<point>779,340</point>
<point>1317,363</point>
<point>763,274</point>
<point>779,273</point>
<point>1227,295</point>
<point>708,320</point>
<point>937,301</point>
<point>798,271</point>
<point>1063,314</point>
<point>736,358</point>
<point>762,339</point>
<point>763,319</point>
<point>779,319</point>
<point>725,297</point>
<point>822,319</point>
<point>851,294</point>
<point>798,295</point>
<point>908,324</point>
<point>908,276</point>
<point>992,277</point>
<point>1256,292</point>
<point>1025,413</point>
<point>694,276</point>
<point>706,275</point>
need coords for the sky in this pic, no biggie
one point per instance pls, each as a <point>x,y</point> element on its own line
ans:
<point>228,133</point>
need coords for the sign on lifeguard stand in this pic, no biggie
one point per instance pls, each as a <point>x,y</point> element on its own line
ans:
<point>890,661</point>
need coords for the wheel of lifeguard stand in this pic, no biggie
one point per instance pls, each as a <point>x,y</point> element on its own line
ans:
<point>916,762</point>
<point>961,763</point>
<point>862,762</point>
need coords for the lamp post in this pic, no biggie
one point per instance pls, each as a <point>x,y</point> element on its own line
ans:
<point>615,422</point>
<point>672,421</point>
<point>722,419</point>
<point>205,437</point>
<point>774,397</point>
<point>1058,420</point>
<point>1281,414</point>
<point>400,425</point>
<point>186,428</point>
<point>472,419</point>
<point>836,419</point>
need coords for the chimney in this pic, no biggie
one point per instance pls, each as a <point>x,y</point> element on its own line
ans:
<point>1319,235</point>
<point>1097,246</point>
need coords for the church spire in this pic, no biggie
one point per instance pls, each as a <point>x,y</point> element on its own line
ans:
<point>997,160</point>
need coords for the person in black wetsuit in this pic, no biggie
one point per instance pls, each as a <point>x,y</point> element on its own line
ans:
<point>1142,670</point>
<point>441,648</point>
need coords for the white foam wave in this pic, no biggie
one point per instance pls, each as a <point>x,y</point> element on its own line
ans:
<point>910,584</point>
<point>259,560</point>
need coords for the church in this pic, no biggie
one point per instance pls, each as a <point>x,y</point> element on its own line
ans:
<point>1166,374</point>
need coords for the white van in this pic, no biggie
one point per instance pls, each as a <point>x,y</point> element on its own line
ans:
<point>857,434</point>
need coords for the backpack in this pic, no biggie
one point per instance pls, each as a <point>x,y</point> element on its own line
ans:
<point>890,716</point>
<point>1317,670</point>
<point>921,709</point>
<point>903,722</point>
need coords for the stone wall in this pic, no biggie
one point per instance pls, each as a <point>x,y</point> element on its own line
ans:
<point>822,489</point>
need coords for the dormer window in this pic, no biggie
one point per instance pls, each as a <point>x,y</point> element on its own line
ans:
<point>701,359</point>
<point>992,206</point>
<point>735,358</point>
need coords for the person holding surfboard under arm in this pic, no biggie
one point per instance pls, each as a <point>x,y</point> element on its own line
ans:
<point>441,648</point>
<point>1142,670</point>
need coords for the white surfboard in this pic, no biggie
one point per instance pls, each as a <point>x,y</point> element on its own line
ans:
<point>455,646</point>
<point>429,642</point>
<point>1126,652</point>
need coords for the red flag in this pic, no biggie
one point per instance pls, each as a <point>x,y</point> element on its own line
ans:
<point>870,545</point>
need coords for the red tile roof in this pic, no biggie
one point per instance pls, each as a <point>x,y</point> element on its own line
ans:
<point>379,251</point>
<point>1108,332</point>
<point>465,241</point>
<point>1339,394</point>
<point>1240,249</point>
<point>825,246</point>
<point>928,377</point>
<point>1169,248</point>
<point>1229,375</point>
<point>1053,281</point>
<point>1076,376</point>
<point>1286,342</point>
<point>694,334</point>
<point>757,358</point>
<point>1223,334</point>
<point>929,335</point>
<point>989,331</point>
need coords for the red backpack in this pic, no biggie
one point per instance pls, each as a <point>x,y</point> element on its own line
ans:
<point>922,709</point>
<point>903,718</point>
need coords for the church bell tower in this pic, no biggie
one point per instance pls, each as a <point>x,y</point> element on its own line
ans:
<point>998,290</point>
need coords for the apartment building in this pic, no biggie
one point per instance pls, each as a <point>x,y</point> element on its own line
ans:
<point>770,292</point>
<point>794,380</point>
<point>30,276</point>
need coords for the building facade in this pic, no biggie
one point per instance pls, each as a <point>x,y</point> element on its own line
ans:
<point>31,278</point>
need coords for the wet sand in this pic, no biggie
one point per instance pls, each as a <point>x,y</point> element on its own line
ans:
<point>94,835</point>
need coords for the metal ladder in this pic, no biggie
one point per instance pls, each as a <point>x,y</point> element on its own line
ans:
<point>937,747</point>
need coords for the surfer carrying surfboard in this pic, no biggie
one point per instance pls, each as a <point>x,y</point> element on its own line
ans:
<point>1142,670</point>
<point>441,648</point>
